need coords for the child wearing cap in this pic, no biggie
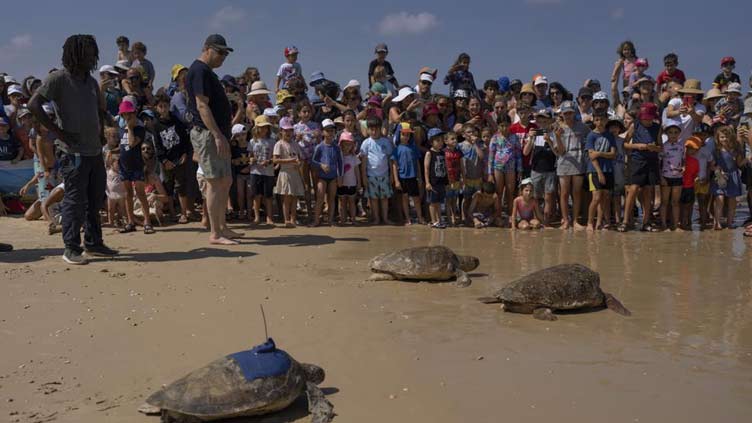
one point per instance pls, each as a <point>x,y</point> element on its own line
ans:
<point>456,176</point>
<point>289,69</point>
<point>289,183</point>
<point>525,209</point>
<point>375,153</point>
<point>689,178</point>
<point>381,52</point>
<point>641,65</point>
<point>262,169</point>
<point>131,166</point>
<point>601,149</point>
<point>349,182</point>
<point>327,161</point>
<point>672,170</point>
<point>406,174</point>
<point>616,127</point>
<point>727,75</point>
<point>435,170</point>
<point>241,169</point>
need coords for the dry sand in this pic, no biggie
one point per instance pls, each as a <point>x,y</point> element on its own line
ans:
<point>88,344</point>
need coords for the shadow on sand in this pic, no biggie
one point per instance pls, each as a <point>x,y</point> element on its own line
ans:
<point>32,255</point>
<point>297,411</point>
<point>299,240</point>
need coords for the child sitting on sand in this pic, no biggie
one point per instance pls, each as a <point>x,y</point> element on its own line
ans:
<point>525,211</point>
<point>483,207</point>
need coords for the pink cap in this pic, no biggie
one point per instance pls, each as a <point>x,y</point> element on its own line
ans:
<point>286,123</point>
<point>641,62</point>
<point>346,137</point>
<point>126,107</point>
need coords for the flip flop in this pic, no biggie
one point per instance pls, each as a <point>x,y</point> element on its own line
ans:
<point>148,229</point>
<point>130,227</point>
<point>183,220</point>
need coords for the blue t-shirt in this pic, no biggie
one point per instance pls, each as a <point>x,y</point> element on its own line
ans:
<point>644,135</point>
<point>377,152</point>
<point>407,157</point>
<point>330,155</point>
<point>602,143</point>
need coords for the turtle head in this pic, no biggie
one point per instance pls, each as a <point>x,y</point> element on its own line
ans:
<point>468,263</point>
<point>314,373</point>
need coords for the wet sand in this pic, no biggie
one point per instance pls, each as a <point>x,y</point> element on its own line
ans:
<point>88,344</point>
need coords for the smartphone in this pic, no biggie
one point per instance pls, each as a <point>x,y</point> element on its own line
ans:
<point>540,132</point>
<point>688,101</point>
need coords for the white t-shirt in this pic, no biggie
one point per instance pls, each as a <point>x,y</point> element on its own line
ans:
<point>286,71</point>
<point>685,122</point>
<point>349,179</point>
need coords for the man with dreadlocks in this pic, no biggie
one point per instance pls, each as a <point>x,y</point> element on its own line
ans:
<point>80,135</point>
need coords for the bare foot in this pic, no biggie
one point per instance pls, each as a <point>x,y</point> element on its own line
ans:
<point>408,222</point>
<point>590,228</point>
<point>222,241</point>
<point>678,229</point>
<point>564,224</point>
<point>228,233</point>
<point>578,227</point>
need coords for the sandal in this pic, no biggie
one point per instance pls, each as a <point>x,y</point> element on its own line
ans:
<point>148,229</point>
<point>622,227</point>
<point>183,219</point>
<point>130,227</point>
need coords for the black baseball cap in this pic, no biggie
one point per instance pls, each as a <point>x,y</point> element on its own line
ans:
<point>585,91</point>
<point>218,42</point>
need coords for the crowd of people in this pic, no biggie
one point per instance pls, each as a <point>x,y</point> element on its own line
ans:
<point>637,153</point>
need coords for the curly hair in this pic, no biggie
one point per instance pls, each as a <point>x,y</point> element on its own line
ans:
<point>627,43</point>
<point>80,53</point>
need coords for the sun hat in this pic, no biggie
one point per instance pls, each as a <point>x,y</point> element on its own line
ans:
<point>526,181</point>
<point>290,50</point>
<point>283,95</point>
<point>10,80</point>
<point>460,94</point>
<point>175,71</point>
<point>23,111</point>
<point>430,109</point>
<point>404,93</point>
<point>122,65</point>
<point>261,121</point>
<point>541,80</point>
<point>109,69</point>
<point>239,128</point>
<point>339,121</point>
<point>648,111</point>
<point>693,142</point>
<point>405,127</point>
<point>258,88</point>
<point>426,77</point>
<point>374,100</point>
<point>435,132</point>
<point>585,92</point>
<point>566,106</point>
<point>270,112</point>
<point>528,89</point>
<point>352,83</point>
<point>691,86</point>
<point>15,89</point>
<point>381,47</point>
<point>733,87</point>
<point>713,93</point>
<point>217,42</point>
<point>126,107</point>
<point>641,62</point>
<point>728,60</point>
<point>600,96</point>
<point>346,136</point>
<point>316,77</point>
<point>327,123</point>
<point>286,123</point>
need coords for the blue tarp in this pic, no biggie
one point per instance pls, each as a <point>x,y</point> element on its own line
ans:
<point>14,176</point>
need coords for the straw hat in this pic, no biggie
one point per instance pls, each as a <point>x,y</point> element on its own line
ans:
<point>691,86</point>
<point>713,93</point>
<point>528,88</point>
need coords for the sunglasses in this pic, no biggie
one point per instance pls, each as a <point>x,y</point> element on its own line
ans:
<point>425,83</point>
<point>553,93</point>
<point>222,52</point>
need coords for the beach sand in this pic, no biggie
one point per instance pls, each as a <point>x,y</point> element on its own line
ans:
<point>90,343</point>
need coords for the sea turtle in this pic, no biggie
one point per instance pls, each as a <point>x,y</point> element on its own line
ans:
<point>423,264</point>
<point>258,381</point>
<point>561,287</point>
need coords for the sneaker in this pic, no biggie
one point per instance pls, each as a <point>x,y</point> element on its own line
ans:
<point>74,257</point>
<point>100,250</point>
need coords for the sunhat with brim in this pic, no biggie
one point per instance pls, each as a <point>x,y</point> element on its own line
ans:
<point>175,71</point>
<point>261,121</point>
<point>339,121</point>
<point>733,87</point>
<point>126,107</point>
<point>378,87</point>
<point>259,88</point>
<point>426,77</point>
<point>122,65</point>
<point>406,128</point>
<point>286,123</point>
<point>403,94</point>
<point>283,95</point>
<point>526,181</point>
<point>691,86</point>
<point>352,83</point>
<point>346,136</point>
<point>435,132</point>
<point>713,93</point>
<point>527,89</point>
<point>109,69</point>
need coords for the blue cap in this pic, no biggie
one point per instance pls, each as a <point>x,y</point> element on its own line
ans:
<point>503,84</point>
<point>230,80</point>
<point>316,77</point>
<point>435,132</point>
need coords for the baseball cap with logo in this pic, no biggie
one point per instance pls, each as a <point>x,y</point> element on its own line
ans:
<point>541,80</point>
<point>600,96</point>
<point>239,128</point>
<point>15,89</point>
<point>291,50</point>
<point>217,42</point>
<point>109,69</point>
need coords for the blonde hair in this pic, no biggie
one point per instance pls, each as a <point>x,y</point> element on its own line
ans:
<point>731,143</point>
<point>379,72</point>
<point>256,131</point>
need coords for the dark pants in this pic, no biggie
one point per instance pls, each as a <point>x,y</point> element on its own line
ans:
<point>85,184</point>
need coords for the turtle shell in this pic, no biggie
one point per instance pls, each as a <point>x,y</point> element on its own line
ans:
<point>237,385</point>
<point>561,287</point>
<point>419,263</point>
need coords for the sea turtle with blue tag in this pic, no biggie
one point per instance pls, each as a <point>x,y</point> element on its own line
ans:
<point>254,382</point>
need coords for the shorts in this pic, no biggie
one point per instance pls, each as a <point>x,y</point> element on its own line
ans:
<point>436,195</point>
<point>674,182</point>
<point>261,185</point>
<point>208,158</point>
<point>347,191</point>
<point>202,185</point>
<point>643,174</point>
<point>702,188</point>
<point>379,187</point>
<point>687,196</point>
<point>410,187</point>
<point>131,175</point>
<point>179,177</point>
<point>453,190</point>
<point>543,183</point>
<point>471,187</point>
<point>484,218</point>
<point>747,176</point>
<point>596,185</point>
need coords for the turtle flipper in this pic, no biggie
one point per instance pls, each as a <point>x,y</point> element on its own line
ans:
<point>463,279</point>
<point>149,410</point>
<point>322,411</point>
<point>381,277</point>
<point>544,313</point>
<point>489,300</point>
<point>616,306</point>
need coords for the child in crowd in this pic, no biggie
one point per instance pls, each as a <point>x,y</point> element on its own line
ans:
<point>349,183</point>
<point>10,148</point>
<point>672,171</point>
<point>327,160</point>
<point>375,153</point>
<point>624,65</point>
<point>670,72</point>
<point>262,169</point>
<point>436,176</point>
<point>291,68</point>
<point>131,164</point>
<point>727,75</point>
<point>542,144</point>
<point>504,162</point>
<point>525,210</point>
<point>174,152</point>
<point>601,149</point>
<point>406,174</point>
<point>641,65</point>
<point>289,183</point>
<point>616,127</point>
<point>381,52</point>
<point>473,166</point>
<point>455,166</point>
<point>307,136</point>
<point>689,178</point>
<point>241,169</point>
<point>726,184</point>
<point>484,207</point>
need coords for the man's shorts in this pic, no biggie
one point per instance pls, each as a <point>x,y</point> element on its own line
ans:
<point>437,194</point>
<point>687,196</point>
<point>379,187</point>
<point>131,175</point>
<point>202,185</point>
<point>410,187</point>
<point>208,157</point>
<point>543,183</point>
<point>261,185</point>
<point>643,174</point>
<point>596,185</point>
<point>453,189</point>
<point>471,187</point>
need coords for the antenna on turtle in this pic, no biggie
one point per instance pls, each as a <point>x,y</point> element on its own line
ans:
<point>263,316</point>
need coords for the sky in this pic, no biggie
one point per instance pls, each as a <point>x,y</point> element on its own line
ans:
<point>567,40</point>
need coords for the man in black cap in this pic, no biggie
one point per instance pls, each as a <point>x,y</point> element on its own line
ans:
<point>212,122</point>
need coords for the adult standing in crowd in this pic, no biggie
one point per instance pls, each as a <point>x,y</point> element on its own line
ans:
<point>212,122</point>
<point>80,131</point>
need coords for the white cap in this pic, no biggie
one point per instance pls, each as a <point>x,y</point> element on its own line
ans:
<point>271,112</point>
<point>426,77</point>
<point>122,64</point>
<point>23,111</point>
<point>109,69</point>
<point>15,89</point>
<point>541,80</point>
<point>352,83</point>
<point>600,95</point>
<point>460,94</point>
<point>239,128</point>
<point>48,108</point>
<point>403,93</point>
<point>10,80</point>
<point>733,87</point>
<point>326,123</point>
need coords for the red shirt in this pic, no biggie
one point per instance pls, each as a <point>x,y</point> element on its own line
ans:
<point>453,158</point>
<point>521,132</point>
<point>664,77</point>
<point>691,170</point>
